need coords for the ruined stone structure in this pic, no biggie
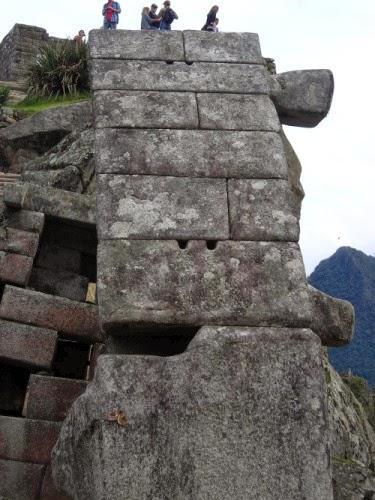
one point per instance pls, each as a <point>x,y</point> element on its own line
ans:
<point>19,48</point>
<point>198,201</point>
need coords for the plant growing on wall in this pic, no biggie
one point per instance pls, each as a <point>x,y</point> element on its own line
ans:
<point>4,94</point>
<point>60,69</point>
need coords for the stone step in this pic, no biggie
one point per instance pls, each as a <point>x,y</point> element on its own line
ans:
<point>14,268</point>
<point>25,220</point>
<point>50,398</point>
<point>27,440</point>
<point>19,242</point>
<point>25,345</point>
<point>20,480</point>
<point>74,320</point>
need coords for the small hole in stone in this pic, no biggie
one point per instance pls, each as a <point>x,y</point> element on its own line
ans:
<point>189,63</point>
<point>183,244</point>
<point>169,62</point>
<point>211,245</point>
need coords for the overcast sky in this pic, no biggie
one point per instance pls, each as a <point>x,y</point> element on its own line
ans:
<point>337,157</point>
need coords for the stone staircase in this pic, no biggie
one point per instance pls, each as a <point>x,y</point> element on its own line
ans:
<point>7,179</point>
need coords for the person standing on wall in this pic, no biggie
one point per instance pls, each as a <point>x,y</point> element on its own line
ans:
<point>155,25</point>
<point>168,15</point>
<point>211,19</point>
<point>110,12</point>
<point>147,22</point>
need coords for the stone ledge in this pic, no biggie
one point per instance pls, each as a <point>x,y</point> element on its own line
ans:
<point>20,480</point>
<point>71,319</point>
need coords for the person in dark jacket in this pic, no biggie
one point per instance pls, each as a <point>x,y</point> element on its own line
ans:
<point>211,18</point>
<point>155,25</point>
<point>168,15</point>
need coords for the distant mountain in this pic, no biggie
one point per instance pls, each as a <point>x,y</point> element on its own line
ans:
<point>350,274</point>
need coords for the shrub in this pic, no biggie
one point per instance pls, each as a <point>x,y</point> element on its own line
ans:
<point>60,69</point>
<point>4,94</point>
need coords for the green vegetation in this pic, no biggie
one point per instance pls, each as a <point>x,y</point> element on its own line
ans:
<point>4,94</point>
<point>60,69</point>
<point>364,394</point>
<point>33,105</point>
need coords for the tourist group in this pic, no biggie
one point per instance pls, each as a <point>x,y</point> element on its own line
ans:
<point>153,20</point>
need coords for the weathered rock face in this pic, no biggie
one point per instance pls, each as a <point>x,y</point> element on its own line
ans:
<point>37,134</point>
<point>232,417</point>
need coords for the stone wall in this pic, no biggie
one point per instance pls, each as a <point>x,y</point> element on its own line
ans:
<point>19,48</point>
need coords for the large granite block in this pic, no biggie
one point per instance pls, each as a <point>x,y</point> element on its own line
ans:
<point>237,283</point>
<point>27,440</point>
<point>65,205</point>
<point>19,480</point>
<point>15,268</point>
<point>150,208</point>
<point>50,398</point>
<point>263,210</point>
<point>239,415</point>
<point>190,153</point>
<point>146,44</point>
<point>20,242</point>
<point>135,109</point>
<point>222,47</point>
<point>72,319</point>
<point>237,112</point>
<point>198,77</point>
<point>25,345</point>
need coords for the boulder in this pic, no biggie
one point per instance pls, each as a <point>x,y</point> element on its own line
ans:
<point>303,98</point>
<point>240,414</point>
<point>38,133</point>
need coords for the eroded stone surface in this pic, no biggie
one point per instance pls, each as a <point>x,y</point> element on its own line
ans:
<point>263,210</point>
<point>237,112</point>
<point>122,108</point>
<point>146,44</point>
<point>190,153</point>
<point>150,207</point>
<point>222,47</point>
<point>247,401</point>
<point>238,283</point>
<point>198,77</point>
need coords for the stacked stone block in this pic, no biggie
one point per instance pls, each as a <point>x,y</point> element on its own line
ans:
<point>188,149</point>
<point>198,202</point>
<point>49,334</point>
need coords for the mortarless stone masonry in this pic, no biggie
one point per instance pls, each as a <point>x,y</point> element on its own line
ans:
<point>198,206</point>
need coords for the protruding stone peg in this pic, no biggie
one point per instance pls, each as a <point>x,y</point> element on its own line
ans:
<point>303,98</point>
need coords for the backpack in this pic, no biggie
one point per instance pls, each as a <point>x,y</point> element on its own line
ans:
<point>169,16</point>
